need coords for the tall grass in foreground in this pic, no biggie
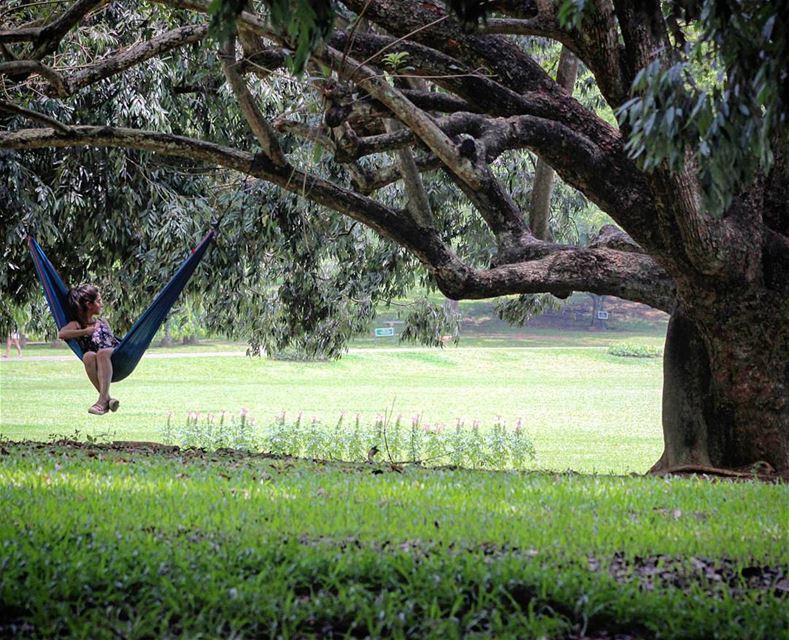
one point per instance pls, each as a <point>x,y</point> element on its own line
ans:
<point>102,542</point>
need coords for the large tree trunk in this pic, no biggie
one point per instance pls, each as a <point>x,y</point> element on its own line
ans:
<point>725,386</point>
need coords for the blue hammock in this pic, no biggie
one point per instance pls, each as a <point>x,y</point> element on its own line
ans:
<point>128,353</point>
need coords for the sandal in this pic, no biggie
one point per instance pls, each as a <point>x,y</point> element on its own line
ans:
<point>98,409</point>
<point>113,404</point>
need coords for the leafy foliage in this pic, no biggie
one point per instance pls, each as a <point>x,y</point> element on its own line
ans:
<point>721,104</point>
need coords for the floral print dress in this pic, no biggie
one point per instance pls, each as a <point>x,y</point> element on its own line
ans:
<point>101,338</point>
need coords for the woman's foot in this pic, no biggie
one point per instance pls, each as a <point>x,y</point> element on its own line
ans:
<point>98,409</point>
<point>113,404</point>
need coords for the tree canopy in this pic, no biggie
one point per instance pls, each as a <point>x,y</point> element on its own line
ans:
<point>415,121</point>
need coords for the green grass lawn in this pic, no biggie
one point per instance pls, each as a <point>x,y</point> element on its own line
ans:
<point>584,409</point>
<point>100,542</point>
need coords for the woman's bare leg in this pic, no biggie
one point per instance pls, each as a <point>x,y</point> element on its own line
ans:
<point>89,360</point>
<point>104,370</point>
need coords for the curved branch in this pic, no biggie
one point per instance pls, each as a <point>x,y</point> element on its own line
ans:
<point>632,276</point>
<point>605,178</point>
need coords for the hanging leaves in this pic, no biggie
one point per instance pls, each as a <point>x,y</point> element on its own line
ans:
<point>304,24</point>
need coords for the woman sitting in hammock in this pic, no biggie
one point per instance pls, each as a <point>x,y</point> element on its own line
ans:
<point>96,340</point>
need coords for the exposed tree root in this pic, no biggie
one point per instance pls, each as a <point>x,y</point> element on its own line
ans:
<point>757,471</point>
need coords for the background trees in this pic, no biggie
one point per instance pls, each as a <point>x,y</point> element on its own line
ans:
<point>412,125</point>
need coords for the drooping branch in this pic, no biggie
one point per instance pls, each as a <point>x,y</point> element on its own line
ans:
<point>425,244</point>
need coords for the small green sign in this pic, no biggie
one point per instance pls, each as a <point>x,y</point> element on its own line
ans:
<point>383,332</point>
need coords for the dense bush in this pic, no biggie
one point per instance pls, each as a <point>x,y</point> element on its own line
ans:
<point>630,350</point>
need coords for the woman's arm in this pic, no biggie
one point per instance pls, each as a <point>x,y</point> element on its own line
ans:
<point>72,330</point>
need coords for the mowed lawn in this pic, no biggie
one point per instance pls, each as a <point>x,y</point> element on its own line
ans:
<point>584,409</point>
<point>119,542</point>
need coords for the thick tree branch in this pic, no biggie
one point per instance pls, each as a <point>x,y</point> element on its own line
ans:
<point>510,65</point>
<point>265,134</point>
<point>603,271</point>
<point>20,69</point>
<point>434,101</point>
<point>483,94</point>
<point>24,34</point>
<point>461,161</point>
<point>425,244</point>
<point>134,55</point>
<point>643,31</point>
<point>599,27</point>
<point>606,179</point>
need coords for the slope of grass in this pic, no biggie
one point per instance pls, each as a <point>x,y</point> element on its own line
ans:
<point>582,408</point>
<point>102,542</point>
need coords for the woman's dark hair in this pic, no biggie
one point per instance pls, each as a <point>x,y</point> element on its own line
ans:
<point>78,300</point>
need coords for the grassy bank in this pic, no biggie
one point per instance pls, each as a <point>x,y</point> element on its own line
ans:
<point>583,408</point>
<point>99,542</point>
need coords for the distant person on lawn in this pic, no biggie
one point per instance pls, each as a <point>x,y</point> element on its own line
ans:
<point>94,336</point>
<point>13,337</point>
